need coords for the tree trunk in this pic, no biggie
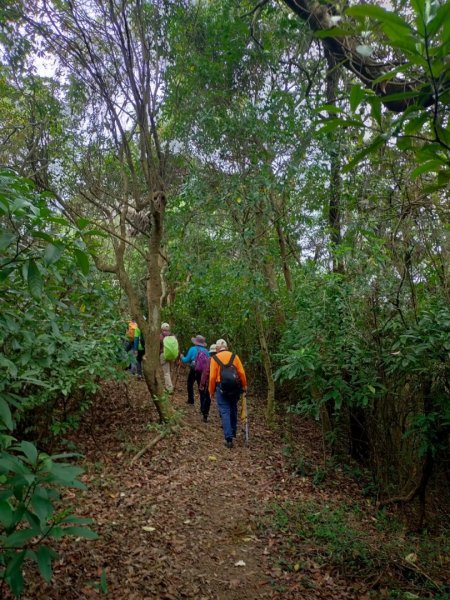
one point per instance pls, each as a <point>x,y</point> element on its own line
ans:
<point>334,205</point>
<point>267,364</point>
<point>278,210</point>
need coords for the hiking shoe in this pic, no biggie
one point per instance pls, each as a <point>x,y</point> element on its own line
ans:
<point>229,443</point>
<point>205,418</point>
<point>189,402</point>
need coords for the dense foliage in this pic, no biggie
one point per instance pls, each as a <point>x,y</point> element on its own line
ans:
<point>59,337</point>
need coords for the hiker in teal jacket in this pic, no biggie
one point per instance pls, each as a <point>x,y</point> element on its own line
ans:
<point>198,342</point>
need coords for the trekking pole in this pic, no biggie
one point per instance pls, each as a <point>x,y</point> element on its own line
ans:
<point>244,417</point>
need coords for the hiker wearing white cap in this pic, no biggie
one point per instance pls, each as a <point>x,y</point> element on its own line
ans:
<point>198,345</point>
<point>228,380</point>
<point>168,354</point>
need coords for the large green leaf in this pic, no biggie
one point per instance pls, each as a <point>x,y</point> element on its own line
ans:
<point>35,282</point>
<point>44,557</point>
<point>53,252</point>
<point>30,451</point>
<point>6,513</point>
<point>21,537</point>
<point>82,260</point>
<point>5,414</point>
<point>42,507</point>
<point>380,14</point>
<point>357,94</point>
<point>6,239</point>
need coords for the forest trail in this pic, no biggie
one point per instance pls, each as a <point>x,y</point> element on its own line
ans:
<point>176,523</point>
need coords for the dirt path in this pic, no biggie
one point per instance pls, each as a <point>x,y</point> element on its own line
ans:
<point>182,522</point>
<point>185,521</point>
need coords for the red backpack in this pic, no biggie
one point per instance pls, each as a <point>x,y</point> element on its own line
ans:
<point>201,360</point>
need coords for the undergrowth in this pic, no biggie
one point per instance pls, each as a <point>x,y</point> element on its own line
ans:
<point>348,541</point>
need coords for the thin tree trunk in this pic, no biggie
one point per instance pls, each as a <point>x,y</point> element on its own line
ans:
<point>267,364</point>
<point>278,210</point>
<point>334,206</point>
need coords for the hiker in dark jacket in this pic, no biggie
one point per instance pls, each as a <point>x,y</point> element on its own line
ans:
<point>227,392</point>
<point>199,344</point>
<point>139,350</point>
<point>205,398</point>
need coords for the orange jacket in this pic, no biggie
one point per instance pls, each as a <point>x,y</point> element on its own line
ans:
<point>214,373</point>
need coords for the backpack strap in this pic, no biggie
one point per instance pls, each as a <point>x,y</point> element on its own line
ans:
<point>230,362</point>
<point>217,360</point>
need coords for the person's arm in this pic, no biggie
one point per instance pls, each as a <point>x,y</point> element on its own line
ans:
<point>213,367</point>
<point>240,369</point>
<point>190,355</point>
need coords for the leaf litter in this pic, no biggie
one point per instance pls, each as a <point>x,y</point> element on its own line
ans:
<point>184,521</point>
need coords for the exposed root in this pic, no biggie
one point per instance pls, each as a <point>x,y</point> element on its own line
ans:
<point>150,445</point>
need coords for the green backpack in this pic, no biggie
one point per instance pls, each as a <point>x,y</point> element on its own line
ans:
<point>170,348</point>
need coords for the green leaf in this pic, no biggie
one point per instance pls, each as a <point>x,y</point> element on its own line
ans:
<point>96,232</point>
<point>34,278</point>
<point>81,532</point>
<point>404,143</point>
<point>43,236</point>
<point>4,273</point>
<point>44,557</point>
<point>329,108</point>
<point>357,94</point>
<point>6,513</point>
<point>14,575</point>
<point>6,238</point>
<point>441,16</point>
<point>416,124</point>
<point>53,252</point>
<point>375,103</point>
<point>30,451</point>
<point>103,582</point>
<point>19,538</point>
<point>42,507</point>
<point>378,13</point>
<point>82,260</point>
<point>5,414</point>
<point>82,222</point>
<point>379,141</point>
<point>332,124</point>
<point>432,165</point>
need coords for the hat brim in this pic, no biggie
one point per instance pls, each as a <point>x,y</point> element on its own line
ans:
<point>196,342</point>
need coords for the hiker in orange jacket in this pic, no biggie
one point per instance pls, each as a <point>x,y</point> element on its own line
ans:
<point>227,379</point>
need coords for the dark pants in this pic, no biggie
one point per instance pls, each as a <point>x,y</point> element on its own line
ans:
<point>194,376</point>
<point>139,357</point>
<point>228,413</point>
<point>205,402</point>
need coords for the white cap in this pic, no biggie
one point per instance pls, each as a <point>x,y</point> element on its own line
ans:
<point>221,345</point>
<point>165,326</point>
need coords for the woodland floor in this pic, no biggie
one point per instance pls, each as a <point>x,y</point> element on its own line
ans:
<point>176,523</point>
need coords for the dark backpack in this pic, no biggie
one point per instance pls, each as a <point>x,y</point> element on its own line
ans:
<point>229,378</point>
<point>201,360</point>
